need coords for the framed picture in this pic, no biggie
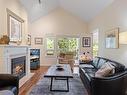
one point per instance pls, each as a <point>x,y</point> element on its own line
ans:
<point>39,41</point>
<point>86,41</point>
<point>14,26</point>
<point>112,38</point>
<point>29,40</point>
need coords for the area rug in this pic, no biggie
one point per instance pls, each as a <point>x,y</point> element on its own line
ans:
<point>76,87</point>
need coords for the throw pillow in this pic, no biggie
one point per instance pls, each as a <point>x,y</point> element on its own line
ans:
<point>113,67</point>
<point>105,70</point>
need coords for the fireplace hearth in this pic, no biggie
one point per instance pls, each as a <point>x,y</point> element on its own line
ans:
<point>18,66</point>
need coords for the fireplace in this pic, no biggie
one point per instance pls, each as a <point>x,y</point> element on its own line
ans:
<point>18,66</point>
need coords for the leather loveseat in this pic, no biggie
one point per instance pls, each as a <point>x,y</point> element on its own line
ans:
<point>9,82</point>
<point>115,84</point>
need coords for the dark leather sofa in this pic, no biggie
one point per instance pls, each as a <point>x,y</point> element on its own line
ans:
<point>115,84</point>
<point>9,82</point>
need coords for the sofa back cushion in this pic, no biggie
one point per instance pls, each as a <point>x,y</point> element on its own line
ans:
<point>98,62</point>
<point>101,62</point>
<point>95,62</point>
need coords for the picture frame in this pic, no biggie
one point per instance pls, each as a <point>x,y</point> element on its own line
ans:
<point>14,23</point>
<point>112,38</point>
<point>29,39</point>
<point>38,41</point>
<point>86,41</point>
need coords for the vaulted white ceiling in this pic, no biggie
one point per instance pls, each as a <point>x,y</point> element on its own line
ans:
<point>36,10</point>
<point>85,9</point>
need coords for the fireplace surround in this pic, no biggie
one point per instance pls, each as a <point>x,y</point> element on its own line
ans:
<point>14,54</point>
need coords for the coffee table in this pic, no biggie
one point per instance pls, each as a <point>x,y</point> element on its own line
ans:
<point>64,74</point>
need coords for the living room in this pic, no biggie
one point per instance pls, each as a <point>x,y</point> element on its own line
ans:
<point>79,38</point>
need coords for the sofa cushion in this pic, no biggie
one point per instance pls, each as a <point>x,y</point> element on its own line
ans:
<point>90,70</point>
<point>105,70</point>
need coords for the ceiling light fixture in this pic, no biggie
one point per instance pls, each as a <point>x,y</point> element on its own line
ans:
<point>40,1</point>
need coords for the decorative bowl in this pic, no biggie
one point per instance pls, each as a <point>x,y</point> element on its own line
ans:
<point>60,68</point>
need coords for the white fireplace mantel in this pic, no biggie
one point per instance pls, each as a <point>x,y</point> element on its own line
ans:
<point>7,52</point>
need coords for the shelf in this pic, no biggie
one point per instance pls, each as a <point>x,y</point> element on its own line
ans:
<point>34,57</point>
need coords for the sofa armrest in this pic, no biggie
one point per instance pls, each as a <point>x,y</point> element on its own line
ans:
<point>115,85</point>
<point>9,80</point>
<point>85,62</point>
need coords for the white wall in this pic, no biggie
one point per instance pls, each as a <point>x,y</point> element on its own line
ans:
<point>17,8</point>
<point>113,16</point>
<point>58,22</point>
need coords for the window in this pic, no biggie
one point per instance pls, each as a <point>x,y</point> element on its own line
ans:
<point>55,45</point>
<point>95,42</point>
<point>50,46</point>
<point>68,44</point>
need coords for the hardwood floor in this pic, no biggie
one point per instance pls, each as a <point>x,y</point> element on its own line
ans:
<point>27,86</point>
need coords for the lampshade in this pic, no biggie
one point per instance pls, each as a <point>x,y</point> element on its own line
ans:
<point>123,38</point>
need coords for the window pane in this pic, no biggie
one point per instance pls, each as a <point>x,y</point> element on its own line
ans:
<point>63,44</point>
<point>68,45</point>
<point>50,44</point>
<point>72,44</point>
